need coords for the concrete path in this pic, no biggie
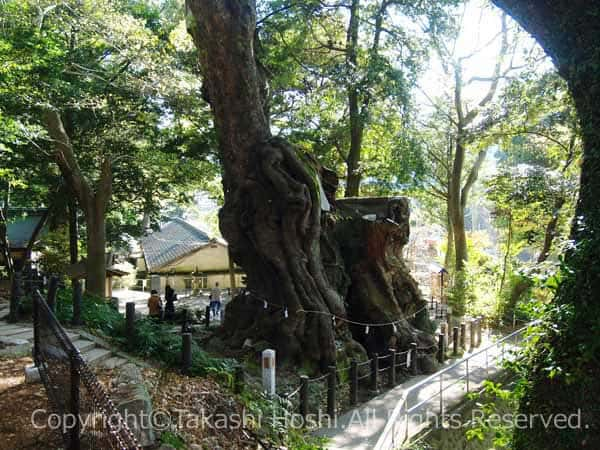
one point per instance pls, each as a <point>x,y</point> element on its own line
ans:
<point>192,303</point>
<point>361,428</point>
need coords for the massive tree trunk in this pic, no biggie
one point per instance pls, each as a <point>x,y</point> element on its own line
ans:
<point>93,201</point>
<point>570,32</point>
<point>271,217</point>
<point>274,202</point>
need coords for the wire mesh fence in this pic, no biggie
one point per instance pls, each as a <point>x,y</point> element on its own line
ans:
<point>89,418</point>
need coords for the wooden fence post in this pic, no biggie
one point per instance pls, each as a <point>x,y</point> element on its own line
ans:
<point>331,386</point>
<point>130,319</point>
<point>353,382</point>
<point>455,341</point>
<point>463,335</point>
<point>479,324</point>
<point>441,350</point>
<point>375,372</point>
<point>414,361</point>
<point>304,396</point>
<point>186,353</point>
<point>392,375</point>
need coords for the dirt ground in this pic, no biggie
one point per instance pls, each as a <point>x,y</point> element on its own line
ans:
<point>18,401</point>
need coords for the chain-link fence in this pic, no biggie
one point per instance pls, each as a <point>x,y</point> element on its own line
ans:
<point>88,417</point>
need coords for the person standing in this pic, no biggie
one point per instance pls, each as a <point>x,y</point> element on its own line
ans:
<point>215,295</point>
<point>170,298</point>
<point>154,305</point>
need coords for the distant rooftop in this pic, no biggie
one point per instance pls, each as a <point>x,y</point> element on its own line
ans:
<point>174,240</point>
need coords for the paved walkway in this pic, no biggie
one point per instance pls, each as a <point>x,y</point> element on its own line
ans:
<point>361,428</point>
<point>192,303</point>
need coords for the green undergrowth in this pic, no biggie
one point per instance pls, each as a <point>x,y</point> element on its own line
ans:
<point>151,339</point>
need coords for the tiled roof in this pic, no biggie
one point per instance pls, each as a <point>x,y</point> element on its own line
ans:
<point>176,239</point>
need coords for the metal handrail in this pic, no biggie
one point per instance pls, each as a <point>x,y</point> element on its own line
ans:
<point>387,440</point>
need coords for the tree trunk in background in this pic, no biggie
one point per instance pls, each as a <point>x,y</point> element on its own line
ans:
<point>74,254</point>
<point>448,259</point>
<point>93,202</point>
<point>96,250</point>
<point>275,201</point>
<point>353,176</point>
<point>570,32</point>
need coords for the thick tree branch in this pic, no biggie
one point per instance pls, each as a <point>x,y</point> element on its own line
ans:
<point>472,178</point>
<point>65,158</point>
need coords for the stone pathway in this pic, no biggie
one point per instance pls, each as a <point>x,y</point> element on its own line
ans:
<point>92,353</point>
<point>361,428</point>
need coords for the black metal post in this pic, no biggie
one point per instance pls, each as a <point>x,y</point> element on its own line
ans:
<point>375,372</point>
<point>52,291</point>
<point>455,341</point>
<point>331,386</point>
<point>36,329</point>
<point>414,361</point>
<point>353,382</point>
<point>238,379</point>
<point>472,334</point>
<point>207,317</point>
<point>392,375</point>
<point>186,353</point>
<point>304,396</point>
<point>441,351</point>
<point>77,295</point>
<point>75,380</point>
<point>130,319</point>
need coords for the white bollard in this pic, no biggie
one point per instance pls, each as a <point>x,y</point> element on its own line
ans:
<point>32,374</point>
<point>268,371</point>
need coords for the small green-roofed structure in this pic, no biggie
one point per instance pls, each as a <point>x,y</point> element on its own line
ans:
<point>24,228</point>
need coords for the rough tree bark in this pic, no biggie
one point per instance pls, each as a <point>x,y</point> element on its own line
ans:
<point>569,31</point>
<point>274,201</point>
<point>93,201</point>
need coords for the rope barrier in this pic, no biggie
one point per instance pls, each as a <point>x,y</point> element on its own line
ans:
<point>334,317</point>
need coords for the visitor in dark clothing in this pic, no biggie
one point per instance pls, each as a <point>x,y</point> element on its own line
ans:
<point>170,298</point>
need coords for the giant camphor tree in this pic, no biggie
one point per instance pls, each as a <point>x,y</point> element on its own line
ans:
<point>275,197</point>
<point>563,372</point>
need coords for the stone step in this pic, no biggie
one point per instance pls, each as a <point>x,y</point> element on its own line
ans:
<point>73,336</point>
<point>96,355</point>
<point>114,362</point>
<point>13,331</point>
<point>22,334</point>
<point>9,326</point>
<point>83,345</point>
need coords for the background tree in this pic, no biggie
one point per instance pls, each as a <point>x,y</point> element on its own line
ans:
<point>100,93</point>
<point>340,74</point>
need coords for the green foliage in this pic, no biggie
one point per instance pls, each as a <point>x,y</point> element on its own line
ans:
<point>152,340</point>
<point>273,426</point>
<point>172,439</point>
<point>54,252</point>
